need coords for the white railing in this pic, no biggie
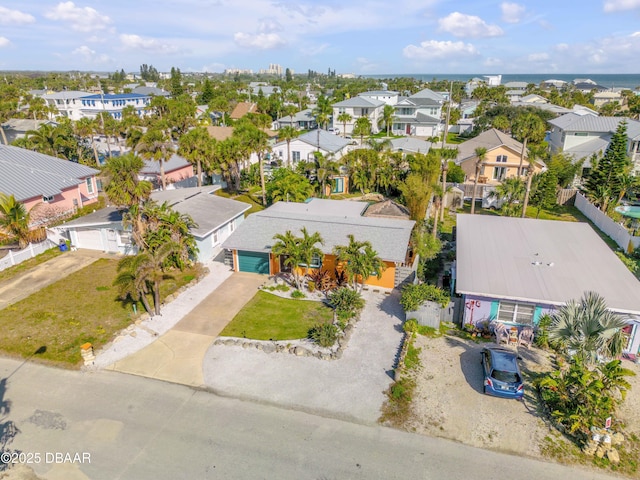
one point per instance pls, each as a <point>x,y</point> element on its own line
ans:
<point>14,258</point>
<point>618,233</point>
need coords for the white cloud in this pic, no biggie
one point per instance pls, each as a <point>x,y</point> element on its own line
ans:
<point>15,17</point>
<point>4,42</point>
<point>261,41</point>
<point>619,5</point>
<point>512,12</point>
<point>613,53</point>
<point>136,42</point>
<point>433,49</point>
<point>538,57</point>
<point>313,50</point>
<point>493,62</point>
<point>365,65</point>
<point>461,25</point>
<point>82,19</point>
<point>90,56</point>
<point>269,25</point>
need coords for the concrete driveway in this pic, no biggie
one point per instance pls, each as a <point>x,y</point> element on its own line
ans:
<point>177,356</point>
<point>351,388</point>
<point>21,286</point>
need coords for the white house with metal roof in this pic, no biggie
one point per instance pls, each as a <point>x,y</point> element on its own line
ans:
<point>419,114</point>
<point>216,218</point>
<point>583,134</point>
<point>516,269</point>
<point>304,147</point>
<point>67,102</point>
<point>359,106</point>
<point>250,245</point>
<point>37,179</point>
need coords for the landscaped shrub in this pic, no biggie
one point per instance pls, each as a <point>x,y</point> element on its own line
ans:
<point>346,302</point>
<point>322,280</point>
<point>410,326</point>
<point>324,334</point>
<point>415,295</point>
<point>297,294</point>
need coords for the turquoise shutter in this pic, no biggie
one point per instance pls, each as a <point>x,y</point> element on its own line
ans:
<point>495,305</point>
<point>537,313</point>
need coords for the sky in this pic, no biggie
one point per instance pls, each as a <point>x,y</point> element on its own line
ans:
<point>363,37</point>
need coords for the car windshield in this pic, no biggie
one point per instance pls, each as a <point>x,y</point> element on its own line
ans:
<point>507,377</point>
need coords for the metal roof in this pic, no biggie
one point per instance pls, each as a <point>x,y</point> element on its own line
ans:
<point>115,96</point>
<point>388,237</point>
<point>359,102</point>
<point>27,174</point>
<point>585,122</point>
<point>410,144</point>
<point>209,211</point>
<point>328,141</point>
<point>541,261</point>
<point>174,163</point>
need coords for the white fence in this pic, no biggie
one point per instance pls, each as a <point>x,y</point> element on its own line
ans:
<point>14,258</point>
<point>615,231</point>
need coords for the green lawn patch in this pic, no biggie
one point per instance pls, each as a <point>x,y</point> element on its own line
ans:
<point>255,203</point>
<point>270,317</point>
<point>83,307</point>
<point>11,272</point>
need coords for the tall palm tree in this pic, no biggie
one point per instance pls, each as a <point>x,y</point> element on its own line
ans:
<point>359,261</point>
<point>325,168</point>
<point>287,134</point>
<point>588,329</point>
<point>527,127</point>
<point>14,218</point>
<point>481,155</point>
<point>86,128</point>
<point>197,146</point>
<point>156,145</point>
<point>255,140</point>
<point>309,250</point>
<point>362,127</point>
<point>387,117</point>
<point>287,247</point>
<point>344,118</point>
<point>124,189</point>
<point>510,191</point>
<point>323,111</point>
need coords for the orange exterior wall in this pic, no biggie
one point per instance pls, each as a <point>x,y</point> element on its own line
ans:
<point>329,264</point>
<point>512,164</point>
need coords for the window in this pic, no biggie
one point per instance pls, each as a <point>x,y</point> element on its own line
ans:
<point>365,111</point>
<point>499,173</point>
<point>341,110</point>
<point>215,237</point>
<point>47,198</point>
<point>316,262</point>
<point>501,159</point>
<point>295,156</point>
<point>512,312</point>
<point>581,134</point>
<point>232,226</point>
<point>89,183</point>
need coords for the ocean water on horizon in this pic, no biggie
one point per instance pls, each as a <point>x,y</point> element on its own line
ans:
<point>619,80</point>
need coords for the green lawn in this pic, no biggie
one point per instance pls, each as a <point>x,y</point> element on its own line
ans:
<point>80,308</point>
<point>253,200</point>
<point>270,317</point>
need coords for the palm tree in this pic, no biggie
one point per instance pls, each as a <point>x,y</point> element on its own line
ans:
<point>325,168</point>
<point>359,261</point>
<point>323,111</point>
<point>362,127</point>
<point>14,218</point>
<point>344,118</point>
<point>309,251</point>
<point>197,146</point>
<point>509,192</point>
<point>86,127</point>
<point>481,155</point>
<point>387,117</point>
<point>124,189</point>
<point>287,134</point>
<point>527,127</point>
<point>287,247</point>
<point>588,329</point>
<point>255,140</point>
<point>156,145</point>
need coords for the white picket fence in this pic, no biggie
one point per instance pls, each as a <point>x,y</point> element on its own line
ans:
<point>615,231</point>
<point>14,258</point>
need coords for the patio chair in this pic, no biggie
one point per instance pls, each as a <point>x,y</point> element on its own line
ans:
<point>501,332</point>
<point>525,337</point>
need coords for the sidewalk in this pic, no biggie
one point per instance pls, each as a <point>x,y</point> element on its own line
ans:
<point>40,276</point>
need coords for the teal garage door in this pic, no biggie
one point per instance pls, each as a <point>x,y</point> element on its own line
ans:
<point>253,262</point>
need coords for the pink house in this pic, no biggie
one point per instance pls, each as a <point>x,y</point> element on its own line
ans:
<point>47,186</point>
<point>175,170</point>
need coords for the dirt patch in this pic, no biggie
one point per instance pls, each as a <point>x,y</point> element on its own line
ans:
<point>448,401</point>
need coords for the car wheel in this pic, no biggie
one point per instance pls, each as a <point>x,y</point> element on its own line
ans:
<point>484,389</point>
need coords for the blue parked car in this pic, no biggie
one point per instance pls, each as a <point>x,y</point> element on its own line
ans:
<point>502,377</point>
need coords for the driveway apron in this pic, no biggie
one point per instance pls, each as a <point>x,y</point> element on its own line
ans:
<point>178,355</point>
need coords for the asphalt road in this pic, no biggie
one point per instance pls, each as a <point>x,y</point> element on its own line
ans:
<point>108,425</point>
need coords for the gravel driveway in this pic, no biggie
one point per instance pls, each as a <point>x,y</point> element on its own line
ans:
<point>351,388</point>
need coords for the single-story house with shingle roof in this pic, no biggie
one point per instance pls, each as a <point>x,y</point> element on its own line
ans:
<point>15,128</point>
<point>525,267</point>
<point>34,178</point>
<point>177,168</point>
<point>216,218</point>
<point>250,245</point>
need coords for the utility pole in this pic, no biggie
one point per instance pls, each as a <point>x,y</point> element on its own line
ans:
<point>446,123</point>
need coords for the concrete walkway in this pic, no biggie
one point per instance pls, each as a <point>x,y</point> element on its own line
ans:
<point>40,276</point>
<point>177,356</point>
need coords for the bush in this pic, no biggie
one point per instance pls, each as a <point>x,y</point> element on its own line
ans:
<point>324,334</point>
<point>297,294</point>
<point>415,295</point>
<point>346,302</point>
<point>410,326</point>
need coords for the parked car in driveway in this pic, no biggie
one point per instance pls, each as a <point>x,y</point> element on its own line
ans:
<point>502,377</point>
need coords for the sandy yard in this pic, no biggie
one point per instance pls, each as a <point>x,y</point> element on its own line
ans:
<point>449,402</point>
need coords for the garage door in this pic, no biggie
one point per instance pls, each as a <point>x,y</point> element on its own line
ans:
<point>90,239</point>
<point>253,262</point>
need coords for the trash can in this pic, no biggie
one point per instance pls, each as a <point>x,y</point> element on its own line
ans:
<point>62,245</point>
